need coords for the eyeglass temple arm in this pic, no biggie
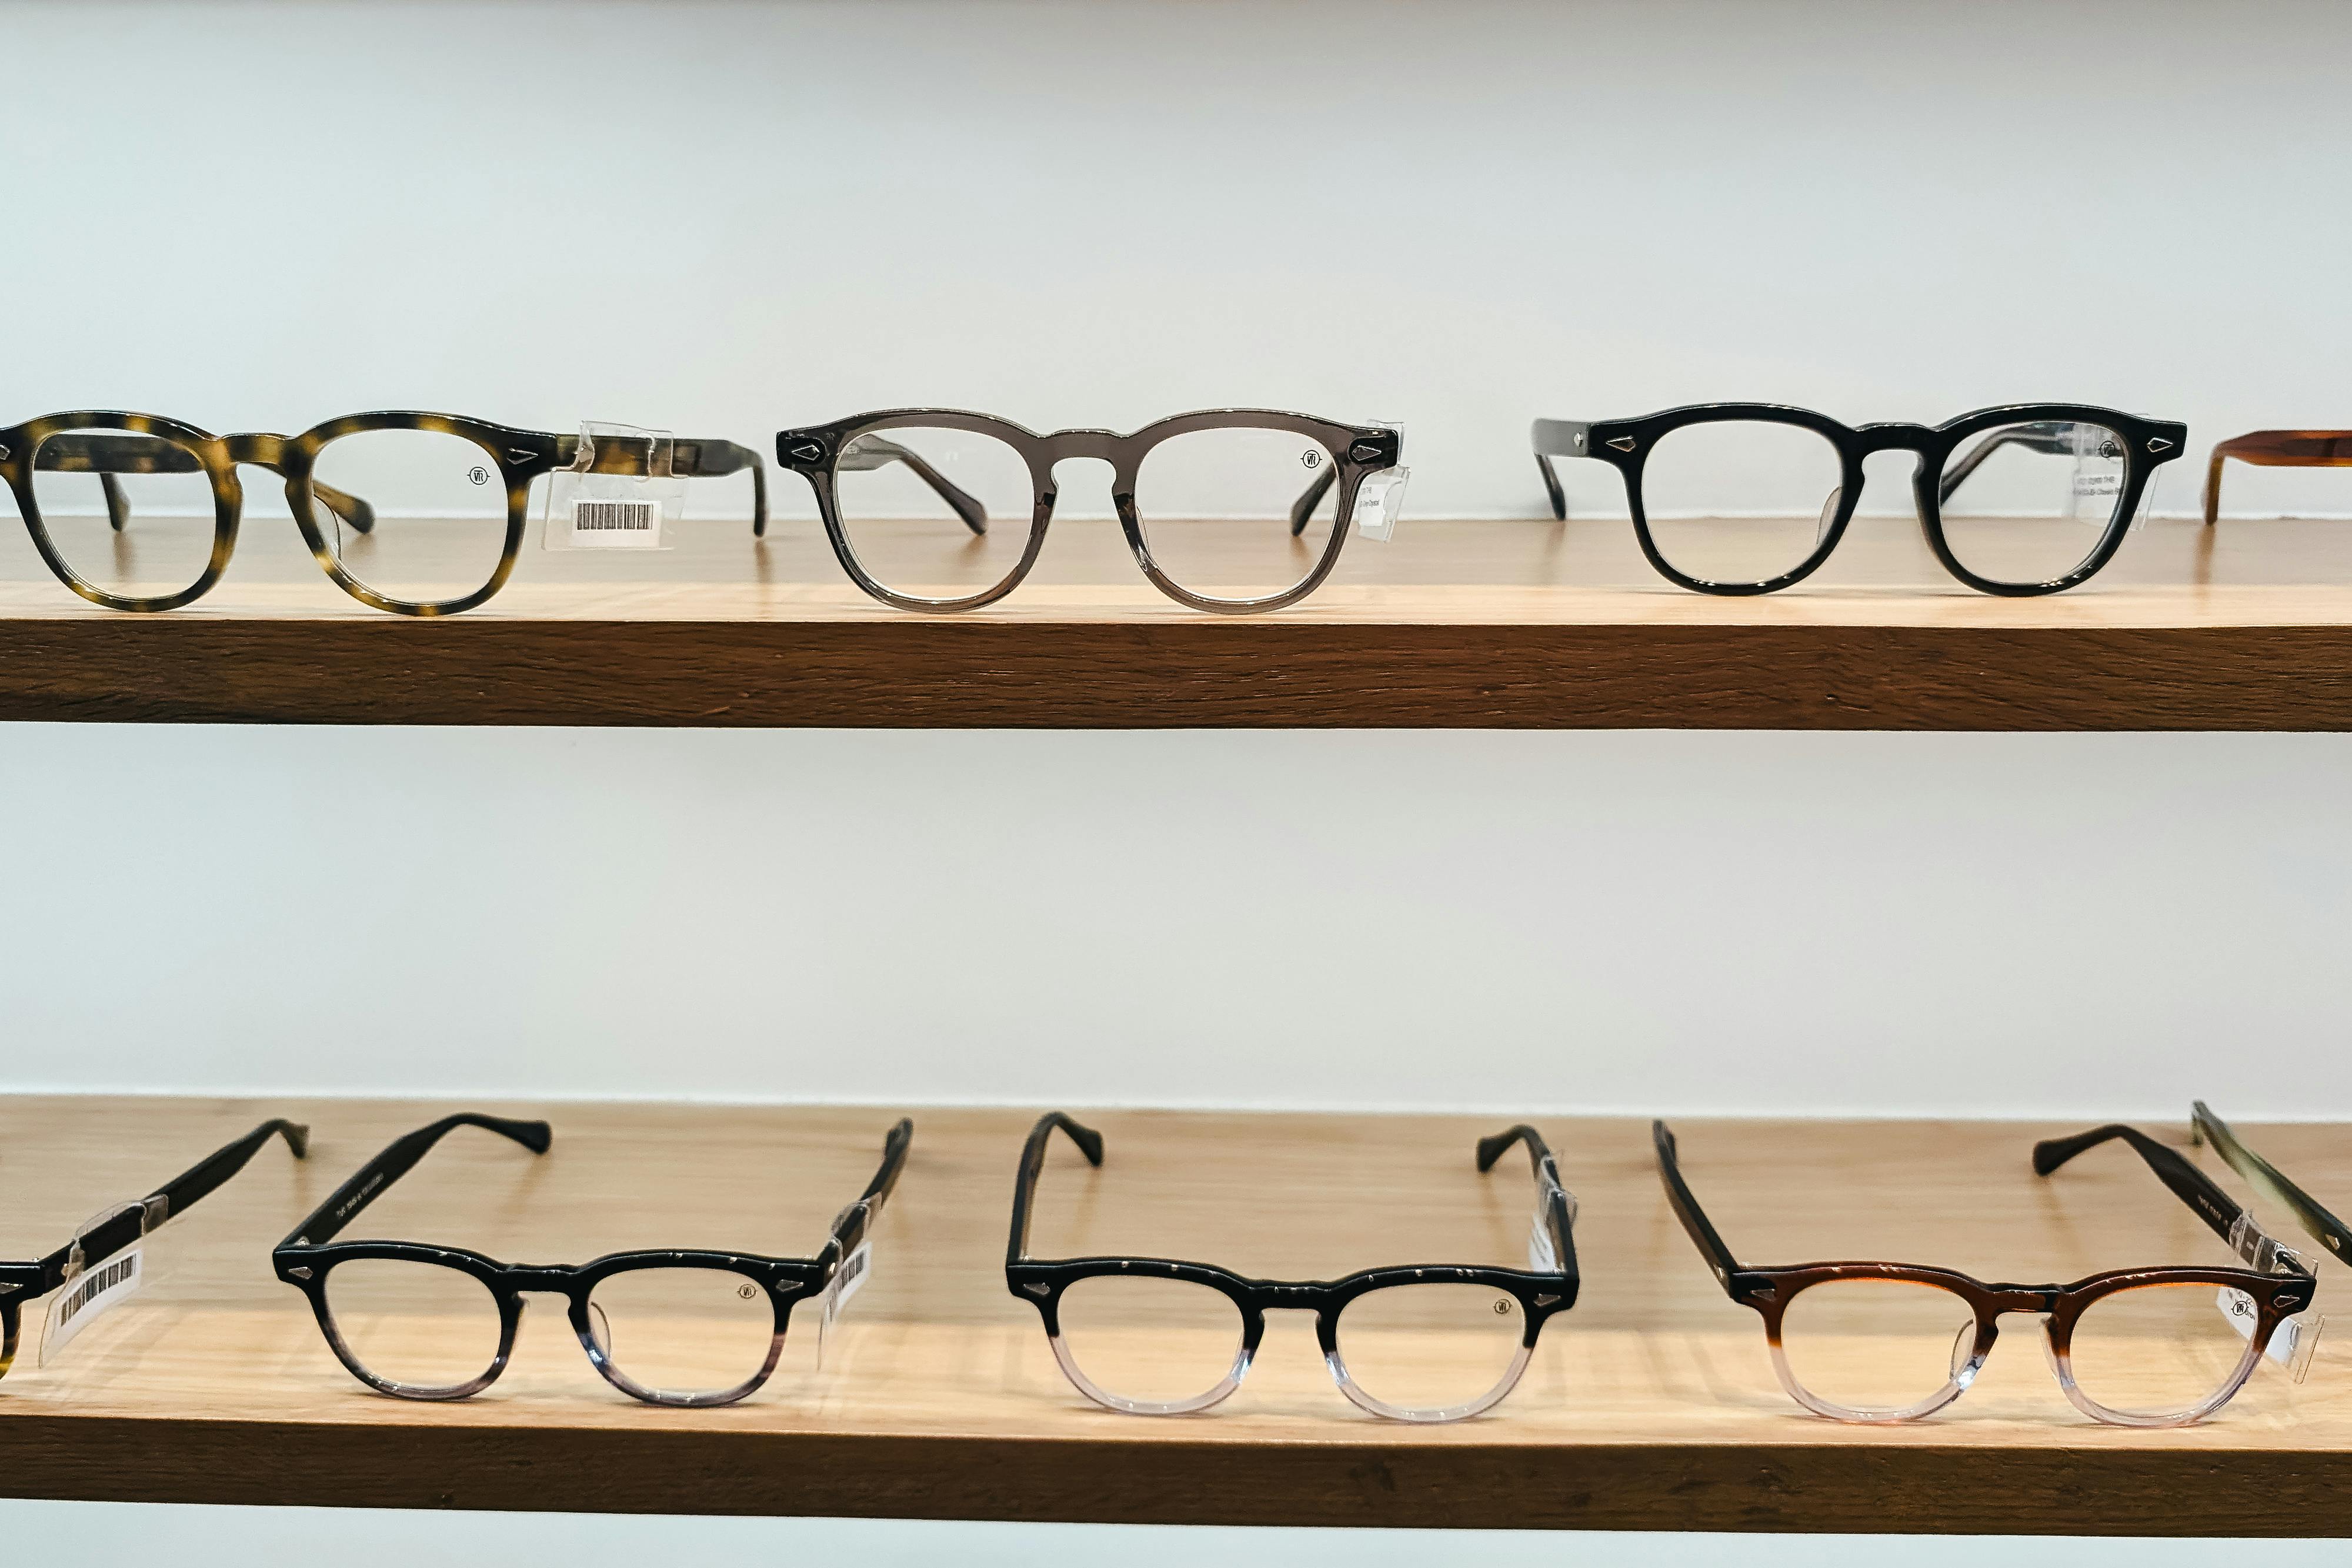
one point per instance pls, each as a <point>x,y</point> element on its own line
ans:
<point>2043,436</point>
<point>689,459</point>
<point>1559,438</point>
<point>2192,1186</point>
<point>1033,1162</point>
<point>107,455</point>
<point>400,1157</point>
<point>180,1192</point>
<point>2275,449</point>
<point>1686,1206</point>
<point>872,452</point>
<point>850,1227</point>
<point>2204,1127</point>
<point>1557,1208</point>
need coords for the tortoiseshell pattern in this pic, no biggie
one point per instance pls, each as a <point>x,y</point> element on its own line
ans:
<point>2275,449</point>
<point>22,1282</point>
<point>152,444</point>
<point>306,1258</point>
<point>2278,1283</point>
<point>1357,451</point>
<point>1042,1283</point>
<point>1626,444</point>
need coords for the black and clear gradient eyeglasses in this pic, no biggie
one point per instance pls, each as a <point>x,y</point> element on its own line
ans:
<point>2323,1227</point>
<point>1746,498</point>
<point>1153,1336</point>
<point>104,1258</point>
<point>421,514</point>
<point>2160,1346</point>
<point>1234,510</point>
<point>686,1327</point>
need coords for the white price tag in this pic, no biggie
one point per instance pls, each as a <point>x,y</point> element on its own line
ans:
<point>2239,1309</point>
<point>88,1297</point>
<point>616,525</point>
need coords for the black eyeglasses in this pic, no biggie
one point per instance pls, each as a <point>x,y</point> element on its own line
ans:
<point>1152,1336</point>
<point>103,1261</point>
<point>421,514</point>
<point>1235,510</point>
<point>2160,1346</point>
<point>1746,498</point>
<point>680,1328</point>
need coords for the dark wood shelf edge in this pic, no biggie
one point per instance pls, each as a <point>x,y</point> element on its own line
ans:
<point>1844,1487</point>
<point>917,673</point>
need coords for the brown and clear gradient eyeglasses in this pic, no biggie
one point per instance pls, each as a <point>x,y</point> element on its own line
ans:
<point>102,1254</point>
<point>2136,1347</point>
<point>420,514</point>
<point>2275,449</point>
<point>1234,511</point>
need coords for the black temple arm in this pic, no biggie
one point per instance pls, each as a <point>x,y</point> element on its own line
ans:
<point>1559,438</point>
<point>2264,1178</point>
<point>1558,1210</point>
<point>397,1160</point>
<point>2192,1186</point>
<point>1686,1206</point>
<point>2044,436</point>
<point>850,1226</point>
<point>1033,1162</point>
<point>170,1199</point>
<point>1302,510</point>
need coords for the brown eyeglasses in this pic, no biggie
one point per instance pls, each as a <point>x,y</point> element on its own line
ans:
<point>2276,449</point>
<point>2135,1347</point>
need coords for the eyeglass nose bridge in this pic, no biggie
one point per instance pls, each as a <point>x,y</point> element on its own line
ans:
<point>1894,436</point>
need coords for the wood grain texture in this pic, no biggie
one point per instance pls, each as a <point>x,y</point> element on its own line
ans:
<point>1650,1406</point>
<point>1463,624</point>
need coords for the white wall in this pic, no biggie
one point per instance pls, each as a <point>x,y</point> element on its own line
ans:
<point>728,218</point>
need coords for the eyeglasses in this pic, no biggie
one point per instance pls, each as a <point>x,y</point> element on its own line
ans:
<point>2204,1127</point>
<point>1746,498</point>
<point>2275,449</point>
<point>421,514</point>
<point>2135,1347</point>
<point>1234,511</point>
<point>1152,1336</point>
<point>684,1328</point>
<point>103,1263</point>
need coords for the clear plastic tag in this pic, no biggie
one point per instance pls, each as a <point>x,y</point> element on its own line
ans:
<point>591,510</point>
<point>1380,500</point>
<point>846,1281</point>
<point>90,1292</point>
<point>2292,1344</point>
<point>1543,1258</point>
<point>2098,473</point>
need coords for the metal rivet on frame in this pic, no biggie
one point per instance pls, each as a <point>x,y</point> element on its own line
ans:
<point>1364,452</point>
<point>1623,443</point>
<point>1038,1289</point>
<point>515,456</point>
<point>1547,1300</point>
<point>807,452</point>
<point>2159,444</point>
<point>299,1272</point>
<point>4,454</point>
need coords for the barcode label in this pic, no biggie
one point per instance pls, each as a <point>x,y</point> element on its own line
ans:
<point>615,516</point>
<point>87,1298</point>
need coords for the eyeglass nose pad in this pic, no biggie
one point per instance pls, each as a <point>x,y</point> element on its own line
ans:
<point>1829,511</point>
<point>1964,1365</point>
<point>599,1330</point>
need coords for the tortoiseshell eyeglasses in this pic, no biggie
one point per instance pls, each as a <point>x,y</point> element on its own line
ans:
<point>103,1261</point>
<point>1154,1336</point>
<point>421,514</point>
<point>2160,1346</point>
<point>2275,449</point>
<point>687,1328</point>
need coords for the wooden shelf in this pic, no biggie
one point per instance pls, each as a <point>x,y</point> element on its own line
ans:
<point>1486,625</point>
<point>1650,1406</point>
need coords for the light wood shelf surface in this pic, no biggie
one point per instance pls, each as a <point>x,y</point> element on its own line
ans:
<point>1453,624</point>
<point>1650,1406</point>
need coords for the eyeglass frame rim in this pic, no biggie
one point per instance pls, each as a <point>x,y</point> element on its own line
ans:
<point>307,1264</point>
<point>813,450</point>
<point>521,457</point>
<point>1042,1282</point>
<point>1933,445</point>
<point>1767,1290</point>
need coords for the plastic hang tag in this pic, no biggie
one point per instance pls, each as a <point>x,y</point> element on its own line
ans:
<point>91,1290</point>
<point>621,492</point>
<point>1543,1258</point>
<point>846,1281</point>
<point>1379,501</point>
<point>2098,473</point>
<point>2292,1344</point>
